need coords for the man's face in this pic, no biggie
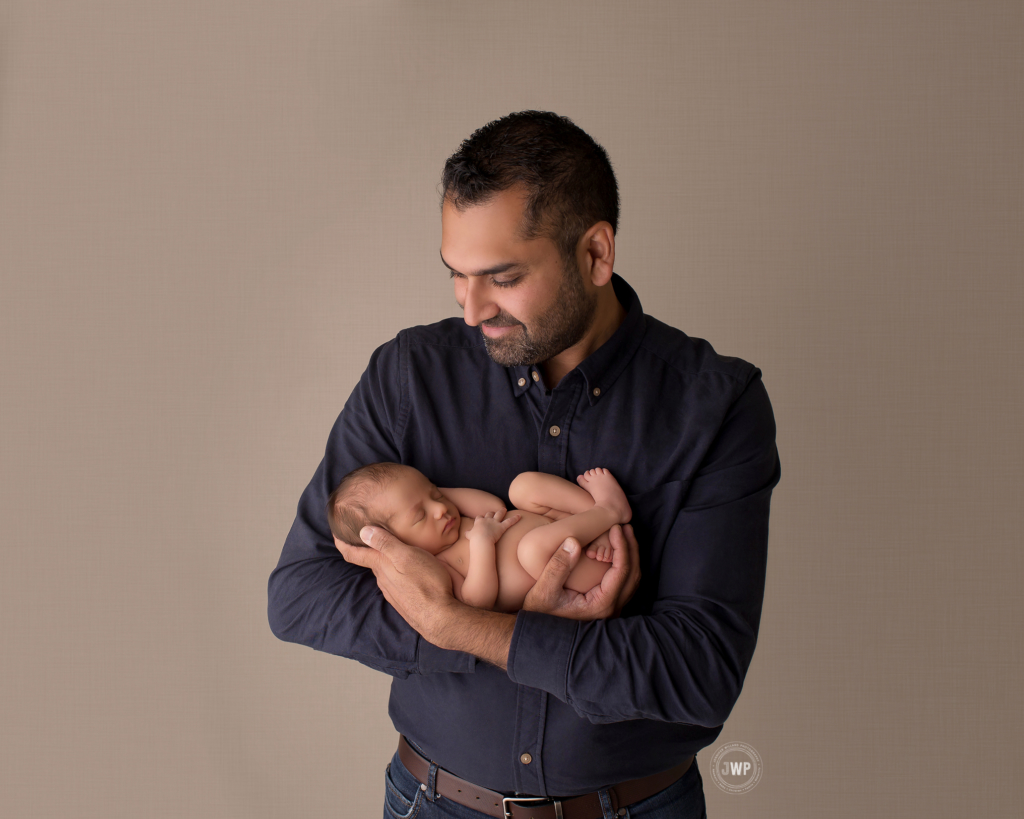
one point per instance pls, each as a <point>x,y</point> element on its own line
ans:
<point>417,512</point>
<point>528,306</point>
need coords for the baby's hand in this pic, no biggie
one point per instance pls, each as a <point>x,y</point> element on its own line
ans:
<point>492,525</point>
<point>601,549</point>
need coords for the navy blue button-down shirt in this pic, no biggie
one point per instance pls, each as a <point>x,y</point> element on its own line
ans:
<point>689,435</point>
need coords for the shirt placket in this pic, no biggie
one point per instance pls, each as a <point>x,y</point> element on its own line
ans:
<point>528,747</point>
<point>553,440</point>
<point>531,703</point>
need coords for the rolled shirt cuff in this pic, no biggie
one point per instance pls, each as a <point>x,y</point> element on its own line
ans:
<point>541,648</point>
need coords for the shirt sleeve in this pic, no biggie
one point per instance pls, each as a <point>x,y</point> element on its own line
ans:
<point>317,599</point>
<point>685,660</point>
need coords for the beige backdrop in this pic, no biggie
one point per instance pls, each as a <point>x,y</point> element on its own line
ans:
<point>212,211</point>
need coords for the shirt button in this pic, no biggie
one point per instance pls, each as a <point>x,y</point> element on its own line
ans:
<point>621,812</point>
<point>597,391</point>
<point>526,759</point>
<point>535,376</point>
<point>522,382</point>
<point>423,787</point>
<point>554,432</point>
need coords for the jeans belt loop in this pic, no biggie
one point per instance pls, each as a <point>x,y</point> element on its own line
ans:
<point>432,783</point>
<point>609,801</point>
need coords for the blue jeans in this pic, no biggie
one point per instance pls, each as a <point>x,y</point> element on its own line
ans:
<point>404,799</point>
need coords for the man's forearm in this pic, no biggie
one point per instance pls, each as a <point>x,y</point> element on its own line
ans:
<point>485,634</point>
<point>419,587</point>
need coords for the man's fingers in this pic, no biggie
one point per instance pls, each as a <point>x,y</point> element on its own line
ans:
<point>618,575</point>
<point>634,553</point>
<point>357,555</point>
<point>625,551</point>
<point>624,576</point>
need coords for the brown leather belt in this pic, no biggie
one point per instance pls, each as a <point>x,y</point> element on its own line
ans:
<point>498,805</point>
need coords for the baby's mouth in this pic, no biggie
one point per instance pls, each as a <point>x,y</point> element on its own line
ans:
<point>448,525</point>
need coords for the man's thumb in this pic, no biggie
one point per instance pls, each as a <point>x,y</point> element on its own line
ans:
<point>374,537</point>
<point>562,562</point>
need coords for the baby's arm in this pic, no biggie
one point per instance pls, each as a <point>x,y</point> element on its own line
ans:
<point>473,503</point>
<point>480,587</point>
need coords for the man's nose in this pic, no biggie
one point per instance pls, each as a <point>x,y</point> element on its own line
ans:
<point>477,305</point>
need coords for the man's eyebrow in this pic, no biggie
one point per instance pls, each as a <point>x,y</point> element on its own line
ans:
<point>490,271</point>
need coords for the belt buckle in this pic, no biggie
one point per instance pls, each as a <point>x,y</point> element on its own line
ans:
<point>537,801</point>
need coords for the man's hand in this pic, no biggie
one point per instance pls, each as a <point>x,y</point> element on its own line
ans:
<point>606,600</point>
<point>420,589</point>
<point>412,580</point>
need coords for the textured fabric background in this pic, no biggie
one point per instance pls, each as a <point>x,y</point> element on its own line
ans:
<point>212,212</point>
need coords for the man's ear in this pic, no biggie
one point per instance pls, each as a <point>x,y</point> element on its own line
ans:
<point>597,252</point>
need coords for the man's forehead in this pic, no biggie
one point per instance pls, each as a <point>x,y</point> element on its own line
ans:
<point>500,267</point>
<point>491,230</point>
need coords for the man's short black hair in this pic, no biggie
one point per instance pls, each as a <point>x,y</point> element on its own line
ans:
<point>567,176</point>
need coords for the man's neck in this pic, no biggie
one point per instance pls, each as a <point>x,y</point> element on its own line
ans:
<point>607,318</point>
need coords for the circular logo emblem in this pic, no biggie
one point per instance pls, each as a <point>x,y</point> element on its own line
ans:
<point>736,767</point>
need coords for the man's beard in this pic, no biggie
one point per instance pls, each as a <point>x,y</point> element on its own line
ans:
<point>562,326</point>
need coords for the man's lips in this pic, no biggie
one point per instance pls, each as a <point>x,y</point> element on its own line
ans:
<point>496,332</point>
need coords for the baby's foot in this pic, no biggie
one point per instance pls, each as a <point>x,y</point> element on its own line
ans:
<point>606,492</point>
<point>601,549</point>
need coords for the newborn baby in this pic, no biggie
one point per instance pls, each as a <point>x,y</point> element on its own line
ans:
<point>493,558</point>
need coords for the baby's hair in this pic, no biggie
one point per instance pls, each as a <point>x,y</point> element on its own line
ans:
<point>350,506</point>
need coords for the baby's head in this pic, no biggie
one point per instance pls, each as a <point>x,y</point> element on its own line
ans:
<point>397,498</point>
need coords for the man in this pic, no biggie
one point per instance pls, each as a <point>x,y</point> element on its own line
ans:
<point>599,700</point>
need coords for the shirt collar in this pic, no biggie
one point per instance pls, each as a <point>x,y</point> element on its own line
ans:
<point>603,366</point>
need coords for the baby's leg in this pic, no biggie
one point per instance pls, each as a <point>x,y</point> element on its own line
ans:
<point>611,507</point>
<point>606,491</point>
<point>548,495</point>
